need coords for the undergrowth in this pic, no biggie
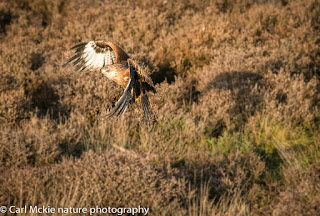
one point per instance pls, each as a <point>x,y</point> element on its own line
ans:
<point>237,129</point>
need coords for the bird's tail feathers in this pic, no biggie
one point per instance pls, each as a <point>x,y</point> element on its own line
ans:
<point>148,114</point>
<point>121,104</point>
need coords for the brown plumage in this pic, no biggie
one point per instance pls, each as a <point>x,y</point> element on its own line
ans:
<point>115,64</point>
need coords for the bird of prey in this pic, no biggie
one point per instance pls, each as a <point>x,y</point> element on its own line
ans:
<point>115,64</point>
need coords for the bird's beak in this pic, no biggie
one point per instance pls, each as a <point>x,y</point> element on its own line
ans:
<point>103,71</point>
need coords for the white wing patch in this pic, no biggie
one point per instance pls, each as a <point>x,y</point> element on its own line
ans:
<point>91,56</point>
<point>93,59</point>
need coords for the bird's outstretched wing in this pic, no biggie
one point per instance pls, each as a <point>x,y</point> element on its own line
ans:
<point>123,102</point>
<point>94,55</point>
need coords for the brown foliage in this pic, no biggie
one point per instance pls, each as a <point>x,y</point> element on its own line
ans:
<point>237,111</point>
<point>109,179</point>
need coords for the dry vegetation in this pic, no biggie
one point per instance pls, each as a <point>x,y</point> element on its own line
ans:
<point>238,107</point>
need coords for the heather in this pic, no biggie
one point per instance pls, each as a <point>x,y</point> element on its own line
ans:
<point>237,109</point>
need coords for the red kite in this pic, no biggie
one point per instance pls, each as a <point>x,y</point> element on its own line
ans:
<point>115,64</point>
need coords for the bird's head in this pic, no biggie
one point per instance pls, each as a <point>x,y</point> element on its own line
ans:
<point>103,71</point>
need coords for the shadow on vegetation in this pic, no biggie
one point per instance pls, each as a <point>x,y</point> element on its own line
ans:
<point>215,129</point>
<point>247,88</point>
<point>165,72</point>
<point>192,93</point>
<point>242,142</point>
<point>44,98</point>
<point>5,19</point>
<point>37,60</point>
<point>223,176</point>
